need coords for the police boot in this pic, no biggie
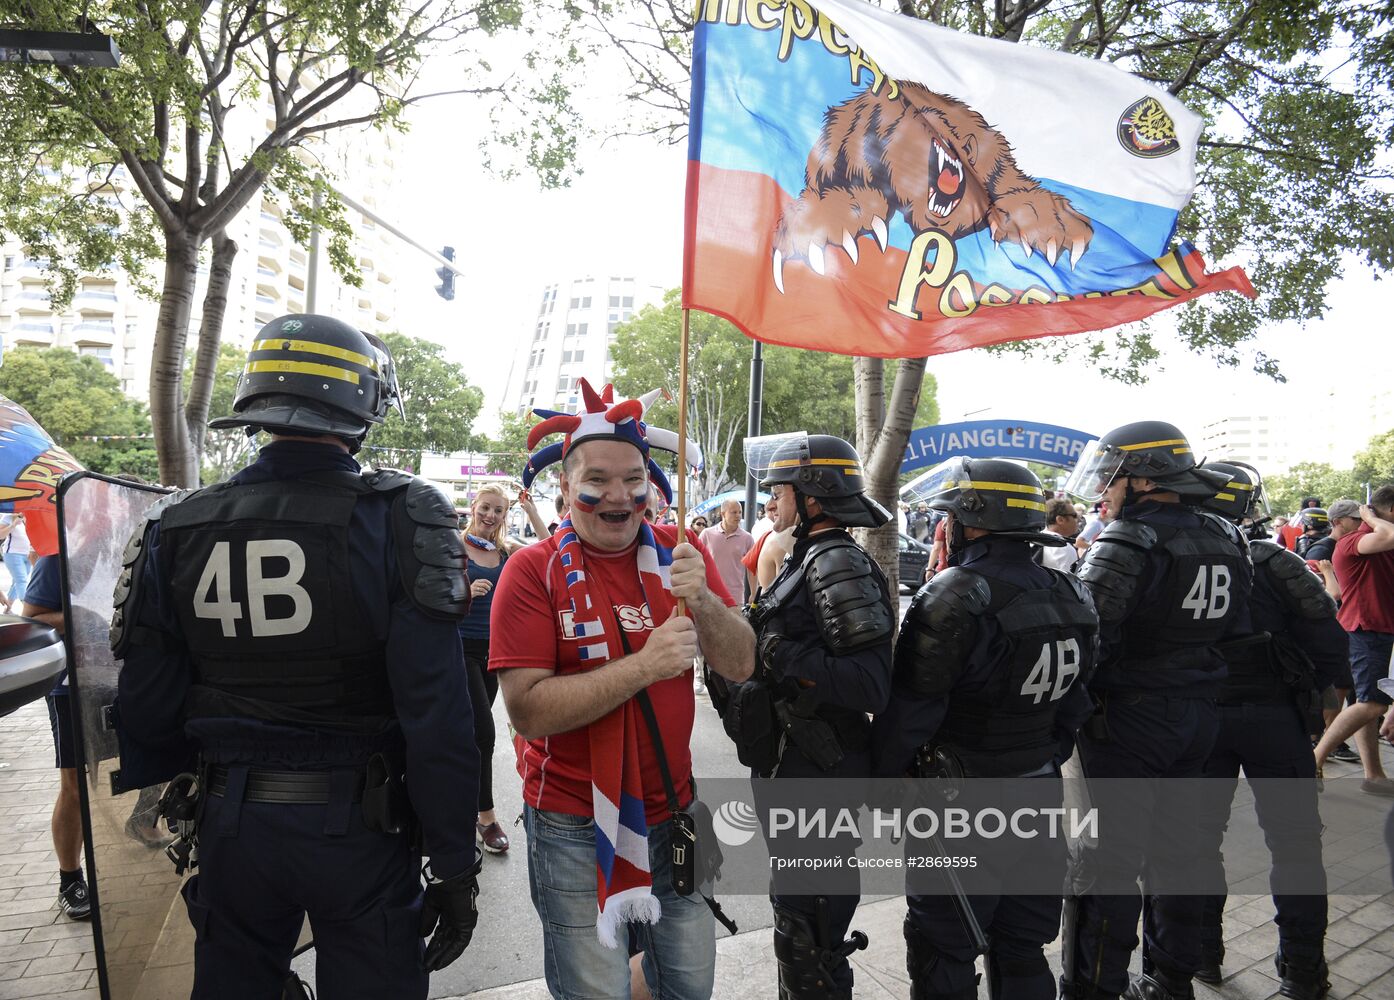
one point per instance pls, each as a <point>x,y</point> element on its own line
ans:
<point>806,966</point>
<point>1301,982</point>
<point>1159,984</point>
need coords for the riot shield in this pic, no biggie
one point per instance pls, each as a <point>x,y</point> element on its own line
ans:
<point>141,932</point>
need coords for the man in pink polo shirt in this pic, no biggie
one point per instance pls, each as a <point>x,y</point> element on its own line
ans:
<point>728,542</point>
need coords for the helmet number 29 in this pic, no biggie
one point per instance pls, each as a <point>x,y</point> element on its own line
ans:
<point>1053,672</point>
<point>1209,594</point>
<point>214,597</point>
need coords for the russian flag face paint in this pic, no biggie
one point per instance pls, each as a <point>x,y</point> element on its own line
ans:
<point>585,503</point>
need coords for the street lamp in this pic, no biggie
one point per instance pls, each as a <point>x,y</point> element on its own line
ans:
<point>61,48</point>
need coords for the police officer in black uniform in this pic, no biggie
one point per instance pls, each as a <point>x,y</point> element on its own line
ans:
<point>1275,679</point>
<point>1315,542</point>
<point>289,638</point>
<point>824,629</point>
<point>989,682</point>
<point>1170,582</point>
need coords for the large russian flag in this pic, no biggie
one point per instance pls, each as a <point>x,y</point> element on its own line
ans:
<point>30,467</point>
<point>865,183</point>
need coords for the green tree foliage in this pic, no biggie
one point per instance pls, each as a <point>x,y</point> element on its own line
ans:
<point>1373,468</point>
<point>211,104</point>
<point>512,438</point>
<point>803,390</point>
<point>440,402</point>
<point>80,403</point>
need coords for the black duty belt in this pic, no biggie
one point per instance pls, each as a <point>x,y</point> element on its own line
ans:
<point>283,786</point>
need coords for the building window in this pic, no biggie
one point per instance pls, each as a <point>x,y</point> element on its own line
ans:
<point>568,357</point>
<point>99,351</point>
<point>627,302</point>
<point>564,384</point>
<point>581,329</point>
<point>614,301</point>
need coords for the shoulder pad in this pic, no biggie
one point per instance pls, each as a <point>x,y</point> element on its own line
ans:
<point>1113,565</point>
<point>1263,549</point>
<point>126,594</point>
<point>1136,534</point>
<point>430,551</point>
<point>1302,590</point>
<point>387,480</point>
<point>850,596</point>
<point>939,630</point>
<point>1075,586</point>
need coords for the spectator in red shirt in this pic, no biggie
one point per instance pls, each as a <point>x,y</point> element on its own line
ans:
<point>1289,533</point>
<point>584,627</point>
<point>1364,565</point>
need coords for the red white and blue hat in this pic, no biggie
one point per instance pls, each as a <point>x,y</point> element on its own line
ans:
<point>605,419</point>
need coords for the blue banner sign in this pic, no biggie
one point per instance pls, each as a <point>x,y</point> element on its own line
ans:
<point>713,502</point>
<point>1019,439</point>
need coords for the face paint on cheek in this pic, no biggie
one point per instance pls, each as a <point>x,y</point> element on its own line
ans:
<point>641,500</point>
<point>585,503</point>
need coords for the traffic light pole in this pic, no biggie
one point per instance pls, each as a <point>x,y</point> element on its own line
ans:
<point>312,276</point>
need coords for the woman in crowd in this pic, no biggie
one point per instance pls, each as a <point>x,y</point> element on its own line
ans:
<point>486,548</point>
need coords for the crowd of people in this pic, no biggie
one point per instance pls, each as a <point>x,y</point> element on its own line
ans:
<point>322,647</point>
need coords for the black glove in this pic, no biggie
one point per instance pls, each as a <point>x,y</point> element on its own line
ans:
<point>767,666</point>
<point>451,903</point>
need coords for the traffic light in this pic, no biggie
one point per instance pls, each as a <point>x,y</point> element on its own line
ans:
<point>446,288</point>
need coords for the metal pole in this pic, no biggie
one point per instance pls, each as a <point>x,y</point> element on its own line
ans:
<point>312,268</point>
<point>757,399</point>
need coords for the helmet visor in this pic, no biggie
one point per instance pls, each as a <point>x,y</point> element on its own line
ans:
<point>1098,466</point>
<point>1258,510</point>
<point>776,458</point>
<point>938,486</point>
<point>390,396</point>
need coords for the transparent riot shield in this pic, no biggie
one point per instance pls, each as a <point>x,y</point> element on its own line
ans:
<point>142,936</point>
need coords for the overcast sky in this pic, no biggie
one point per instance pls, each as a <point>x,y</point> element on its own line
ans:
<point>624,216</point>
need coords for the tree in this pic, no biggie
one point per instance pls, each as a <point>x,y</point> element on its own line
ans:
<point>212,103</point>
<point>440,402</point>
<point>1290,168</point>
<point>80,403</point>
<point>1310,479</point>
<point>225,451</point>
<point>1375,465</point>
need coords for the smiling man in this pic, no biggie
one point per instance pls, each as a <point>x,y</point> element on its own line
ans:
<point>595,667</point>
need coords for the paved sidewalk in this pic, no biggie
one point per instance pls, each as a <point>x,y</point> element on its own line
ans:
<point>43,956</point>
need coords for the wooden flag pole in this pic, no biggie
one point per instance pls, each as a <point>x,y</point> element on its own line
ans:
<point>682,442</point>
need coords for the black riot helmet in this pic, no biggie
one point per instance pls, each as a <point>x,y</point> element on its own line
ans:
<point>1241,498</point>
<point>825,468</point>
<point>1314,519</point>
<point>314,375</point>
<point>1150,449</point>
<point>988,493</point>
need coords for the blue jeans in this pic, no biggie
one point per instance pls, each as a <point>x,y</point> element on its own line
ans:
<point>18,565</point>
<point>679,950</point>
<point>1369,662</point>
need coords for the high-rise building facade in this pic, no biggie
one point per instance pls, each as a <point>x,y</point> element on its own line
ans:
<point>110,321</point>
<point>569,337</point>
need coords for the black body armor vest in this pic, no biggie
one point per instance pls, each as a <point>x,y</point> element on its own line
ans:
<point>1008,726</point>
<point>1197,598</point>
<point>260,575</point>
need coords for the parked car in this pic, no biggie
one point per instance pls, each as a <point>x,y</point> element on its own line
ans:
<point>914,557</point>
<point>31,658</point>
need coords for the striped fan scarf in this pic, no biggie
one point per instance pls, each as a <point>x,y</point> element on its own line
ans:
<point>624,885</point>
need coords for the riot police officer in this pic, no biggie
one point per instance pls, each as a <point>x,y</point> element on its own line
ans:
<point>293,631</point>
<point>1315,542</point>
<point>824,628</point>
<point>1170,583</point>
<point>1266,705</point>
<point>989,682</point>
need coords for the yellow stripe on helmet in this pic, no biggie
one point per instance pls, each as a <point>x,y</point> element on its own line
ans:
<point>1239,486</point>
<point>1028,504</point>
<point>303,368</point>
<point>1225,496</point>
<point>1035,491</point>
<point>1152,444</point>
<point>310,347</point>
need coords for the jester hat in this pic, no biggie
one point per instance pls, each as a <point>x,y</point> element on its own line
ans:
<point>604,419</point>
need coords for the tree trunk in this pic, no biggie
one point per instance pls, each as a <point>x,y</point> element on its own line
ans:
<point>210,338</point>
<point>886,426</point>
<point>178,463</point>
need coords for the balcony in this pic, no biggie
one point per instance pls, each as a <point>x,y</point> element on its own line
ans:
<point>92,300</point>
<point>105,330</point>
<point>33,327</point>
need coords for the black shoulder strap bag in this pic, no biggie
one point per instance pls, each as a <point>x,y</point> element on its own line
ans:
<point>689,823</point>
